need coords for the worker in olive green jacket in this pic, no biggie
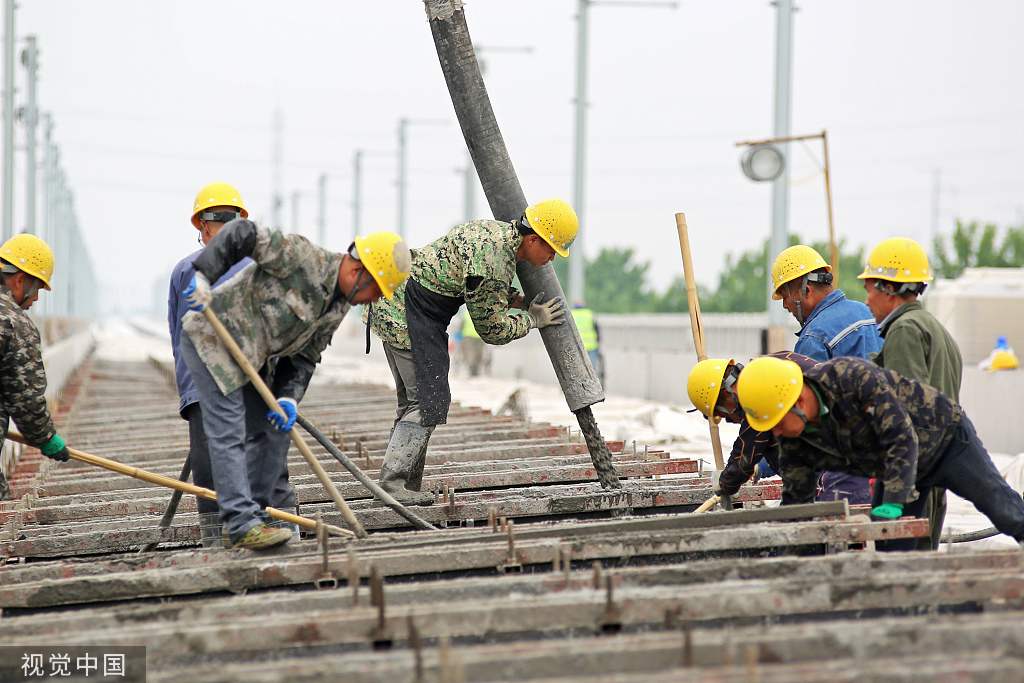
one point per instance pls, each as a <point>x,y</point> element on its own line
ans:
<point>916,345</point>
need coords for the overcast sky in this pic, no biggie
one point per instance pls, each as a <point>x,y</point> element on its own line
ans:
<point>152,100</point>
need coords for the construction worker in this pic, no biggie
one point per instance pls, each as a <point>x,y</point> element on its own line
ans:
<point>711,387</point>
<point>830,326</point>
<point>282,311</point>
<point>215,205</point>
<point>850,415</point>
<point>26,264</point>
<point>473,264</point>
<point>916,344</point>
<point>590,334</point>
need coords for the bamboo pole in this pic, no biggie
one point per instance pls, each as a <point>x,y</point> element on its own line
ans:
<point>696,325</point>
<point>184,487</point>
<point>271,401</point>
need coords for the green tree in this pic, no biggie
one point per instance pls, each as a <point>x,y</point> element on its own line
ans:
<point>617,284</point>
<point>975,246</point>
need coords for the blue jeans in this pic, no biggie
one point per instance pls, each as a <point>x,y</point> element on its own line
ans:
<point>249,458</point>
<point>967,470</point>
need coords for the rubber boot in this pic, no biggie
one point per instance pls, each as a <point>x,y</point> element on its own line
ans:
<point>403,461</point>
<point>281,524</point>
<point>210,530</point>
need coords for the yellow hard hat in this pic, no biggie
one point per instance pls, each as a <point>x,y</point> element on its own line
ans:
<point>387,258</point>
<point>899,259</point>
<point>29,254</point>
<point>705,383</point>
<point>767,388</point>
<point>217,194</point>
<point>1004,360</point>
<point>797,261</point>
<point>555,222</point>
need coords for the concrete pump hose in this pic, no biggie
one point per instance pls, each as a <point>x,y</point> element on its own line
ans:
<point>379,493</point>
<point>969,535</point>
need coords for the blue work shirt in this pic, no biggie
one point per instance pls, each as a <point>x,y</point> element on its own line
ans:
<point>839,327</point>
<point>176,308</point>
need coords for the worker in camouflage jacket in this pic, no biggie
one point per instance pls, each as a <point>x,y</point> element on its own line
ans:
<point>916,344</point>
<point>849,415</point>
<point>282,310</point>
<point>473,264</point>
<point>26,264</point>
<point>712,390</point>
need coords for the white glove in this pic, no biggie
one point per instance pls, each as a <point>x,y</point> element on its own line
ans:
<point>197,294</point>
<point>716,484</point>
<point>542,315</point>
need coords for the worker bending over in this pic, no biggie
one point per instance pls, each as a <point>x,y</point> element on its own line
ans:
<point>712,390</point>
<point>830,326</point>
<point>282,311</point>
<point>916,344</point>
<point>850,415</point>
<point>26,264</point>
<point>473,264</point>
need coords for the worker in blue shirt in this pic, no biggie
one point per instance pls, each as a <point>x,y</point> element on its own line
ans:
<point>215,205</point>
<point>830,326</point>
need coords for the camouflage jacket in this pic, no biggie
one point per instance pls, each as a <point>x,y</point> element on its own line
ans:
<point>873,422</point>
<point>475,261</point>
<point>751,445</point>
<point>286,303</point>
<point>22,376</point>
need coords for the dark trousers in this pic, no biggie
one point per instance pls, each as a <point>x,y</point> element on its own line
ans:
<point>199,456</point>
<point>967,470</point>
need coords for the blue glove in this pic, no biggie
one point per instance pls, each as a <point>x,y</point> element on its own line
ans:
<point>280,422</point>
<point>197,294</point>
<point>888,511</point>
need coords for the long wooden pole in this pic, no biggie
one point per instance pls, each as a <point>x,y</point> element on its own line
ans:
<point>696,325</point>
<point>271,401</point>
<point>178,485</point>
<point>831,226</point>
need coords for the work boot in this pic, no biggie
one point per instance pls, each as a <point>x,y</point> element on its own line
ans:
<point>210,530</point>
<point>403,464</point>
<point>281,524</point>
<point>5,488</point>
<point>262,537</point>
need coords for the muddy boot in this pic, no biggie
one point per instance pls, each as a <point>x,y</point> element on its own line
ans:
<point>404,459</point>
<point>5,488</point>
<point>210,530</point>
<point>281,524</point>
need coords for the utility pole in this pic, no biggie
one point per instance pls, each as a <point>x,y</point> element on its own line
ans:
<point>779,239</point>
<point>936,189</point>
<point>295,212</point>
<point>8,161</point>
<point>357,197</point>
<point>276,199</point>
<point>321,214</point>
<point>29,58</point>
<point>403,124</point>
<point>577,263</point>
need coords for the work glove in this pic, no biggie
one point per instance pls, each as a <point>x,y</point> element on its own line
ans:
<point>716,483</point>
<point>542,315</point>
<point>283,423</point>
<point>888,511</point>
<point>197,294</point>
<point>55,449</point>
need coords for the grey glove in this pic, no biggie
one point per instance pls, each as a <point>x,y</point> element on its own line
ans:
<point>542,315</point>
<point>716,484</point>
